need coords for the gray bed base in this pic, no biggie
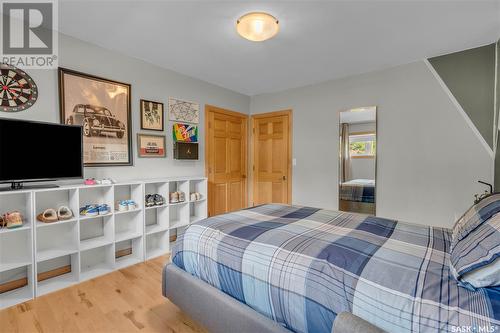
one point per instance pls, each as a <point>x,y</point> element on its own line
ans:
<point>218,312</point>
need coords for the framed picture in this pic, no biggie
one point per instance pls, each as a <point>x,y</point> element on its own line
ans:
<point>149,145</point>
<point>185,133</point>
<point>151,115</point>
<point>183,111</point>
<point>102,108</point>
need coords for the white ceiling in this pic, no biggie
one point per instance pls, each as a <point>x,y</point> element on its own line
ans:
<point>318,41</point>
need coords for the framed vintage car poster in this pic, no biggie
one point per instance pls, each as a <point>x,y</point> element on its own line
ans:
<point>102,108</point>
<point>151,115</point>
<point>149,145</point>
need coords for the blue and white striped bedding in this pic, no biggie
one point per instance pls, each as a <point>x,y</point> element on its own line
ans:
<point>359,190</point>
<point>300,266</point>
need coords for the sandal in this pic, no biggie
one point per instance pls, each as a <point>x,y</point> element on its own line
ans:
<point>14,220</point>
<point>64,213</point>
<point>48,216</point>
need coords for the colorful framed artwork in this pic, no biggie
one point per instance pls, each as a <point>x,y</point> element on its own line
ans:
<point>185,133</point>
<point>152,115</point>
<point>183,111</point>
<point>149,145</point>
<point>102,108</point>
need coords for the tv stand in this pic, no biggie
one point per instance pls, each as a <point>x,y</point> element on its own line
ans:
<point>15,186</point>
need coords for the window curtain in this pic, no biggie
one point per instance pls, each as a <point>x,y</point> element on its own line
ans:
<point>345,157</point>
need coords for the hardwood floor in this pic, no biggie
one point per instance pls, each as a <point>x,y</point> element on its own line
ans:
<point>128,300</point>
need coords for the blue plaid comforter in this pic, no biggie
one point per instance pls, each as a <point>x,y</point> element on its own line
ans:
<point>300,266</point>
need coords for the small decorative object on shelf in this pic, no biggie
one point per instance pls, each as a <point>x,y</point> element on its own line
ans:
<point>95,210</point>
<point>12,220</point>
<point>177,196</point>
<point>195,196</point>
<point>125,205</point>
<point>89,181</point>
<point>51,215</point>
<point>154,200</point>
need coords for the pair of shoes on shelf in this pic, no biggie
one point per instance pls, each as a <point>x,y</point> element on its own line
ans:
<point>154,200</point>
<point>94,210</point>
<point>104,181</point>
<point>125,205</point>
<point>195,196</point>
<point>11,220</point>
<point>178,196</point>
<point>51,215</point>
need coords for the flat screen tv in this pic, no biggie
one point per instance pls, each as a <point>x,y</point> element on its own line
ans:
<point>34,151</point>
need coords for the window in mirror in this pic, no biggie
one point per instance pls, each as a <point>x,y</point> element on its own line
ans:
<point>362,145</point>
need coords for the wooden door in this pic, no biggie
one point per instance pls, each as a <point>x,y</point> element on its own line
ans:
<point>226,160</point>
<point>272,157</point>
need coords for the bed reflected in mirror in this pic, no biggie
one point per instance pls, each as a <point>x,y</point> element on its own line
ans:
<point>358,160</point>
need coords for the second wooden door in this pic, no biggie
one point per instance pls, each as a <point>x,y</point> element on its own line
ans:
<point>272,158</point>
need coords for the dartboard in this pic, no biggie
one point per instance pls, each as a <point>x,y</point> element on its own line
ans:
<point>18,91</point>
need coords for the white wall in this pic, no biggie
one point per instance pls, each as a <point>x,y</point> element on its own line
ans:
<point>428,158</point>
<point>148,82</point>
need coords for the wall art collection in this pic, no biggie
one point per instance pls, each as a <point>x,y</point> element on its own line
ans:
<point>103,108</point>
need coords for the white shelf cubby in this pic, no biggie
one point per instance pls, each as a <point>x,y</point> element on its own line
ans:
<point>96,232</point>
<point>56,241</point>
<point>96,261</point>
<point>137,252</point>
<point>157,244</point>
<point>60,281</point>
<point>22,277</point>
<point>156,220</point>
<point>128,226</point>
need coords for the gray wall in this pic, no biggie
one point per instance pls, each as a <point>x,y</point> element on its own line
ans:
<point>148,82</point>
<point>470,76</point>
<point>497,92</point>
<point>428,157</point>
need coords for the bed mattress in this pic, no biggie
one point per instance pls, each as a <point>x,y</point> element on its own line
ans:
<point>300,266</point>
<point>359,190</point>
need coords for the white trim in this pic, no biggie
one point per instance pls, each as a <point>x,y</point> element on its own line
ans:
<point>460,109</point>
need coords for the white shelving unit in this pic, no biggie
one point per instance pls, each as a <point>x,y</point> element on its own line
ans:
<point>90,245</point>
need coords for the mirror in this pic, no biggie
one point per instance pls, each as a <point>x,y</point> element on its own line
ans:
<point>358,160</point>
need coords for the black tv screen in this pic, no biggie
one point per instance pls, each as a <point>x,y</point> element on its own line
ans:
<point>35,151</point>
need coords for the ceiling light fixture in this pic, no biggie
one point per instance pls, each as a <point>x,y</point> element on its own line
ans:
<point>257,26</point>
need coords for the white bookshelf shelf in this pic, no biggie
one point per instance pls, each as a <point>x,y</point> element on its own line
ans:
<point>45,255</point>
<point>93,243</point>
<point>52,224</point>
<point>90,245</point>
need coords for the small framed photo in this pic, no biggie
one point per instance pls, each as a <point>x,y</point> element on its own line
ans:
<point>152,115</point>
<point>151,145</point>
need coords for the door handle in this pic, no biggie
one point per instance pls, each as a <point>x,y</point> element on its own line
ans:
<point>284,177</point>
<point>243,176</point>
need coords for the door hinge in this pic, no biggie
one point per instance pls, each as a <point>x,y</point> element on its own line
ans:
<point>209,124</point>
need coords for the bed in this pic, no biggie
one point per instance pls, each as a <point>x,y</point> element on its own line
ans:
<point>296,268</point>
<point>358,195</point>
<point>359,190</point>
